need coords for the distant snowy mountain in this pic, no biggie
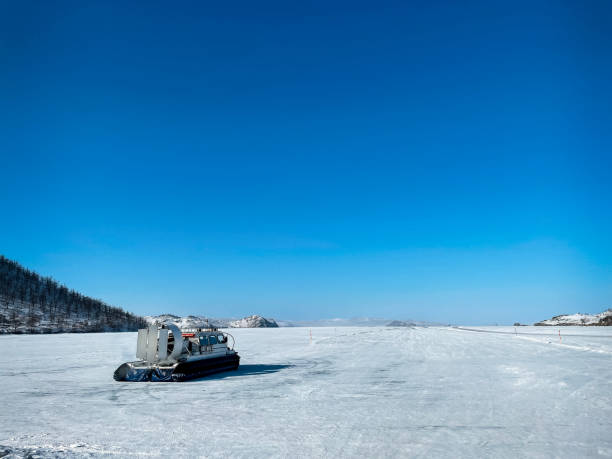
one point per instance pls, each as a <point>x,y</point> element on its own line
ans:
<point>181,322</point>
<point>603,318</point>
<point>401,323</point>
<point>253,321</point>
<point>189,321</point>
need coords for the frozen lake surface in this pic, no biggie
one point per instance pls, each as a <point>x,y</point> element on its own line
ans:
<point>377,392</point>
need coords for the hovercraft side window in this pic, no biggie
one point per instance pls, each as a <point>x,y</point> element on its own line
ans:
<point>213,339</point>
<point>203,340</point>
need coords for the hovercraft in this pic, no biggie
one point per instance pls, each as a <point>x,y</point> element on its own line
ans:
<point>168,353</point>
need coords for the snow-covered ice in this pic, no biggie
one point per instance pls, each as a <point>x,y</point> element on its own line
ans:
<point>377,392</point>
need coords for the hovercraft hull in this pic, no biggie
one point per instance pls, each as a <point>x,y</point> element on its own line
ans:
<point>182,371</point>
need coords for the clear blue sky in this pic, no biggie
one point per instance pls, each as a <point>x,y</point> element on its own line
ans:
<point>446,161</point>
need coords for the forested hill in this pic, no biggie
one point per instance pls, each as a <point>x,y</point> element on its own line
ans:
<point>30,303</point>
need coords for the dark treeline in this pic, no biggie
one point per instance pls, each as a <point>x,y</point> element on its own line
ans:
<point>30,303</point>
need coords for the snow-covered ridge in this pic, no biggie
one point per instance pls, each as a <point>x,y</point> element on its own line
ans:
<point>401,323</point>
<point>603,318</point>
<point>253,321</point>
